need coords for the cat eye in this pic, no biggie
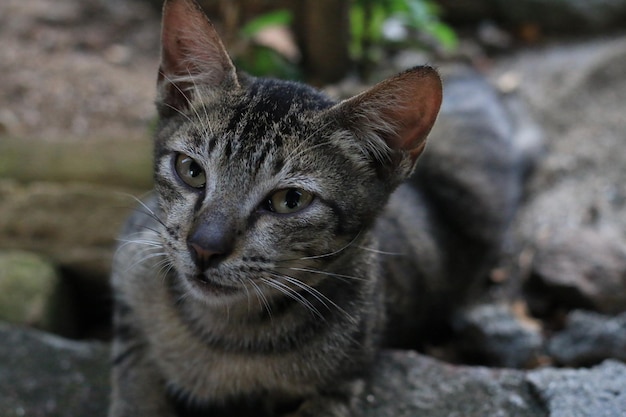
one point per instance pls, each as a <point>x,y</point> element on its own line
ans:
<point>289,200</point>
<point>190,171</point>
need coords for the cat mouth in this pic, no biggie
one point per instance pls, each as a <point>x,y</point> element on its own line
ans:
<point>210,286</point>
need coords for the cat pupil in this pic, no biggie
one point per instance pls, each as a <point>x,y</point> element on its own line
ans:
<point>194,169</point>
<point>292,198</point>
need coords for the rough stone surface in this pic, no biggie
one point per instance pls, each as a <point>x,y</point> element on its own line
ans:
<point>493,334</point>
<point>47,376</point>
<point>566,16</point>
<point>588,338</point>
<point>407,385</point>
<point>571,226</point>
<point>86,69</point>
<point>597,392</point>
<point>28,286</point>
<point>44,375</point>
<point>582,269</point>
<point>73,224</point>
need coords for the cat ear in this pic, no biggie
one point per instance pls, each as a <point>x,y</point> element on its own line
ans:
<point>192,56</point>
<point>395,115</point>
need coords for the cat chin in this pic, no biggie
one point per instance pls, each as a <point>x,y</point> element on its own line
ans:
<point>202,287</point>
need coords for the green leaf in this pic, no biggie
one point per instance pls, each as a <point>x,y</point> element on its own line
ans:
<point>278,17</point>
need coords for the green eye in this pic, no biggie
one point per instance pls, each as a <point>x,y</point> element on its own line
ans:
<point>190,171</point>
<point>289,200</point>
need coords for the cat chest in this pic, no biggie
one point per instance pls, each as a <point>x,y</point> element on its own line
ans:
<point>210,373</point>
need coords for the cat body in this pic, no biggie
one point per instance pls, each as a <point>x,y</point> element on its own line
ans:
<point>281,250</point>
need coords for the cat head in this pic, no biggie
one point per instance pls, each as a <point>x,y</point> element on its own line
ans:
<point>264,179</point>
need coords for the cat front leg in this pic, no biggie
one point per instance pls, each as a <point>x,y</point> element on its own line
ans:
<point>342,401</point>
<point>137,392</point>
<point>138,389</point>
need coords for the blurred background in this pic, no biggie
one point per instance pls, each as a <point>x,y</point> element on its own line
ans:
<point>76,115</point>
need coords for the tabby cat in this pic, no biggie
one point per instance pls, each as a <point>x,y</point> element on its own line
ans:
<point>280,250</point>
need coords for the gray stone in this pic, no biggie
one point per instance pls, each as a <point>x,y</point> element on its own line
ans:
<point>493,334</point>
<point>406,384</point>
<point>589,338</point>
<point>33,293</point>
<point>595,392</point>
<point>44,375</point>
<point>582,268</point>
<point>571,224</point>
<point>567,16</point>
<point>75,225</point>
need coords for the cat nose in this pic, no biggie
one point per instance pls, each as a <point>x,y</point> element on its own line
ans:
<point>209,244</point>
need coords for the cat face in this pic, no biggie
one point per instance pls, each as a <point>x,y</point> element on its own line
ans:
<point>265,185</point>
<point>261,184</point>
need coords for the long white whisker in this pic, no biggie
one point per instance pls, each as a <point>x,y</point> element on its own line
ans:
<point>174,82</point>
<point>144,259</point>
<point>302,146</point>
<point>262,298</point>
<point>148,212</point>
<point>330,274</point>
<point>283,288</point>
<point>205,125</point>
<point>381,252</point>
<point>326,255</point>
<point>319,296</point>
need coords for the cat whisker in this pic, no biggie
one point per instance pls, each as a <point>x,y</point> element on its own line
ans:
<point>185,115</point>
<point>302,146</point>
<point>318,295</point>
<point>326,255</point>
<point>381,252</point>
<point>262,298</point>
<point>148,211</point>
<point>144,259</point>
<point>294,295</point>
<point>174,82</point>
<point>145,242</point>
<point>206,125</point>
<point>313,291</point>
<point>330,274</point>
<point>145,245</point>
<point>308,149</point>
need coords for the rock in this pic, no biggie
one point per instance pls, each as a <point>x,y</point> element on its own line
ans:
<point>407,385</point>
<point>89,161</point>
<point>494,335</point>
<point>565,16</point>
<point>597,392</point>
<point>581,269</point>
<point>570,226</point>
<point>73,224</point>
<point>45,375</point>
<point>33,293</point>
<point>589,338</point>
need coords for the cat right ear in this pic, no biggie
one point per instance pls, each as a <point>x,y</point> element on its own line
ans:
<point>392,119</point>
<point>192,57</point>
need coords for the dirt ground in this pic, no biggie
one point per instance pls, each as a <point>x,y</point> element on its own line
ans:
<point>77,69</point>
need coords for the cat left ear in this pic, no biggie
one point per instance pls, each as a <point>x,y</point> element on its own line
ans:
<point>192,56</point>
<point>397,114</point>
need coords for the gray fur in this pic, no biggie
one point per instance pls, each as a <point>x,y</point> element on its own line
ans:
<point>285,317</point>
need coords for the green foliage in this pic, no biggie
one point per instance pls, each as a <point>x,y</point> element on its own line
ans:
<point>367,21</point>
<point>277,17</point>
<point>368,17</point>
<point>260,60</point>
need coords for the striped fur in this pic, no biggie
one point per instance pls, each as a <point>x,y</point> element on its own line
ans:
<point>288,319</point>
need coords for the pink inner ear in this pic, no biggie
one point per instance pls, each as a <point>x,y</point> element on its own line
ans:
<point>416,101</point>
<point>190,45</point>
